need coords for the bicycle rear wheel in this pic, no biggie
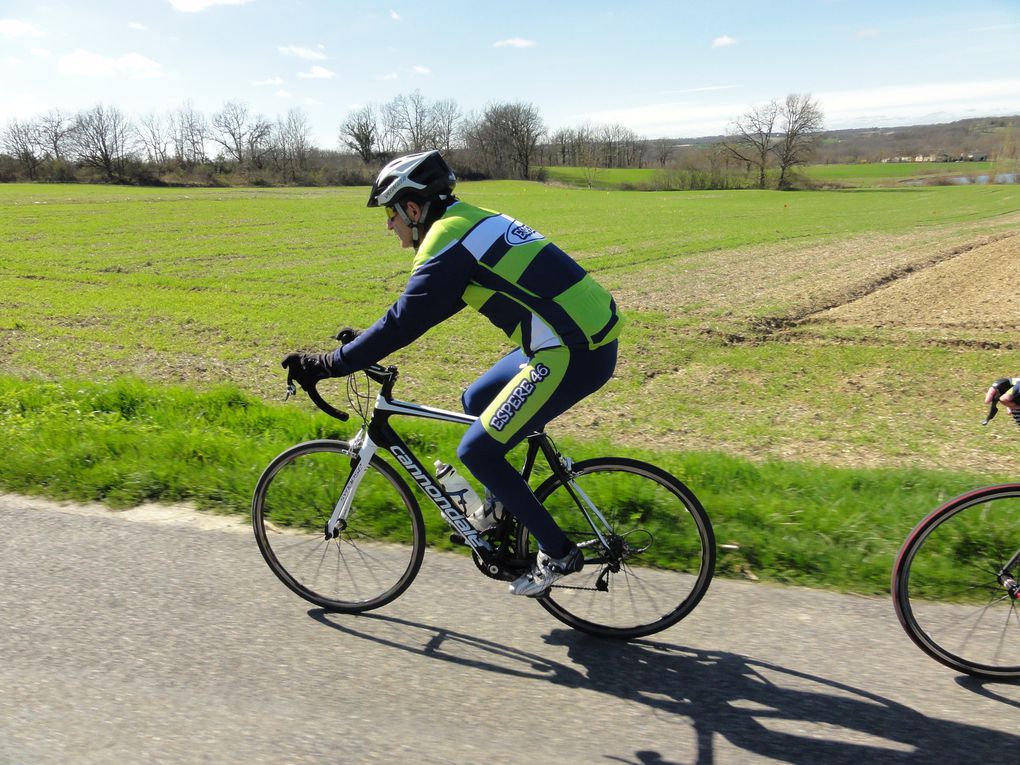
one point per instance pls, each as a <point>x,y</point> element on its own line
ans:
<point>660,556</point>
<point>946,587</point>
<point>376,554</point>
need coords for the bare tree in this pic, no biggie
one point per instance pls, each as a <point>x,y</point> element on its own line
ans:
<point>800,123</point>
<point>446,118</point>
<point>55,128</point>
<point>21,141</point>
<point>523,126</point>
<point>260,141</point>
<point>663,150</point>
<point>230,128</point>
<point>103,140</point>
<point>154,135</point>
<point>188,130</point>
<point>360,132</point>
<point>752,138</point>
<point>504,138</point>
<point>292,143</point>
<point>411,119</point>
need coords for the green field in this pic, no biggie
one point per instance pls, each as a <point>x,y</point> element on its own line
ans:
<point>601,178</point>
<point>870,174</point>
<point>875,173</point>
<point>810,442</point>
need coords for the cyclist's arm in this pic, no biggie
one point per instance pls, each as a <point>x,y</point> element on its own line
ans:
<point>432,295</point>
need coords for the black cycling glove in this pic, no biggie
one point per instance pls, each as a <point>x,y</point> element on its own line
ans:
<point>308,368</point>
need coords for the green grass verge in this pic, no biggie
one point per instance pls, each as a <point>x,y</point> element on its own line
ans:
<point>127,442</point>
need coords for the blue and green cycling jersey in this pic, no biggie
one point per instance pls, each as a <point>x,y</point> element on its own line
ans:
<point>523,283</point>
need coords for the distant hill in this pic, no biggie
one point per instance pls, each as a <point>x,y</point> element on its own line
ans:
<point>991,136</point>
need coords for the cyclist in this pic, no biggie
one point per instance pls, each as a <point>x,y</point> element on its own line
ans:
<point>564,324</point>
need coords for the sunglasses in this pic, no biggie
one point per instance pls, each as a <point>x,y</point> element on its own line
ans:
<point>390,213</point>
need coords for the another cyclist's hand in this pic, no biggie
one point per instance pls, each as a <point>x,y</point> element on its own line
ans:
<point>307,368</point>
<point>1002,390</point>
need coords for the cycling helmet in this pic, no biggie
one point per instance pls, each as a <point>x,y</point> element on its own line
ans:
<point>425,175</point>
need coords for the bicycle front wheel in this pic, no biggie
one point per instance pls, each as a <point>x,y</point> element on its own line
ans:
<point>378,550</point>
<point>950,583</point>
<point>655,558</point>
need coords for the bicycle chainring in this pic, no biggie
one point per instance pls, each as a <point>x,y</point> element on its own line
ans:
<point>494,568</point>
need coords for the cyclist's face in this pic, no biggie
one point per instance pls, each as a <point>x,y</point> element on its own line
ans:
<point>396,224</point>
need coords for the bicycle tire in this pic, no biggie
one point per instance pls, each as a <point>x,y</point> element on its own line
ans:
<point>945,586</point>
<point>376,555</point>
<point>661,524</point>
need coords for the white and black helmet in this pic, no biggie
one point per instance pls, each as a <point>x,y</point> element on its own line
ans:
<point>424,175</point>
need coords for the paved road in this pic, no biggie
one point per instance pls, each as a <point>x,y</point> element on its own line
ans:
<point>153,638</point>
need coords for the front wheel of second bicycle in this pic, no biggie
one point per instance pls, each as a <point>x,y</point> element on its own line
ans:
<point>662,554</point>
<point>376,552</point>
<point>950,583</point>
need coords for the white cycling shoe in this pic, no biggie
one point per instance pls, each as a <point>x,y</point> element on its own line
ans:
<point>544,571</point>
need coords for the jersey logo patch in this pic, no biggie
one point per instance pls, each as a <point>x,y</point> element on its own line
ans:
<point>518,233</point>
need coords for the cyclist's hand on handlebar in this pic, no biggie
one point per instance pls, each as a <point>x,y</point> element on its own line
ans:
<point>1002,391</point>
<point>307,368</point>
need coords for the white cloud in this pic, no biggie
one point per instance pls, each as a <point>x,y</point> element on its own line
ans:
<point>12,60</point>
<point>282,94</point>
<point>422,70</point>
<point>317,73</point>
<point>389,76</point>
<point>867,107</point>
<point>395,16</point>
<point>723,42</point>
<point>87,64</point>
<point>515,42</point>
<point>136,25</point>
<point>270,81</point>
<point>41,52</point>
<point>195,6</point>
<point>865,33</point>
<point>15,28</point>
<point>313,102</point>
<point>306,53</point>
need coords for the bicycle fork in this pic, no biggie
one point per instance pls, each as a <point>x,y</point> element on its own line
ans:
<point>1007,581</point>
<point>364,449</point>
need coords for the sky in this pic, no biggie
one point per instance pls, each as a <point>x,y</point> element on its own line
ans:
<point>664,69</point>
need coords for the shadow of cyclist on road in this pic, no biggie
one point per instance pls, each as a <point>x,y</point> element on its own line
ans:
<point>755,706</point>
<point>773,711</point>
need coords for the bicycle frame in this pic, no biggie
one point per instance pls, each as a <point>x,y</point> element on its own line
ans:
<point>379,434</point>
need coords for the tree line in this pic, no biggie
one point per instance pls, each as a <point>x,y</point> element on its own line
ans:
<point>236,145</point>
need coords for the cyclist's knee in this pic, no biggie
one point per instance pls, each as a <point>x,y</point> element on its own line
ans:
<point>469,403</point>
<point>478,448</point>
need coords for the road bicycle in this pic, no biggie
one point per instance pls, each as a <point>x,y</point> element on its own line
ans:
<point>956,580</point>
<point>341,528</point>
